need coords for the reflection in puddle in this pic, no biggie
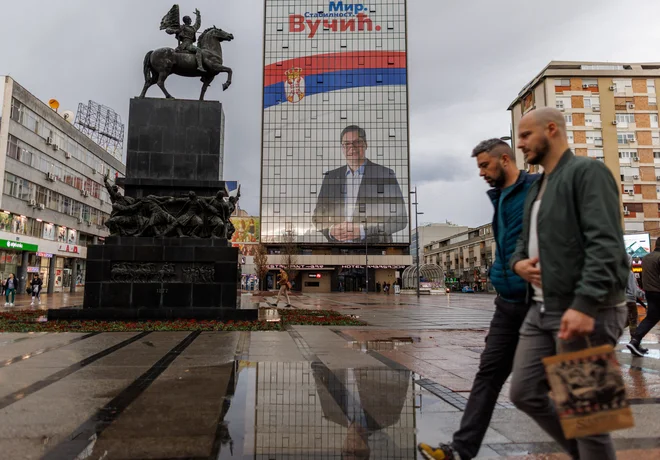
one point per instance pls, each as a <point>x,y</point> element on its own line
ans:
<point>307,410</point>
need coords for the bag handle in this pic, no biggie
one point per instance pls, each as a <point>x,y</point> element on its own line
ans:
<point>561,348</point>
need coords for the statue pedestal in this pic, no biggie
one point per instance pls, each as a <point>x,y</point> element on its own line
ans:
<point>174,147</point>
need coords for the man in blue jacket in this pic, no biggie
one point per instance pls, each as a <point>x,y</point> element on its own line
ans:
<point>497,165</point>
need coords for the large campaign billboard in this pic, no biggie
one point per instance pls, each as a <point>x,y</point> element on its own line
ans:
<point>335,156</point>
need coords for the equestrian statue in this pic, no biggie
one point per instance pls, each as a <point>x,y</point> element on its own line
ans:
<point>187,60</point>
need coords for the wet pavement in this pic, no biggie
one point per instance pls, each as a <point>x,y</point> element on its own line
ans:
<point>307,392</point>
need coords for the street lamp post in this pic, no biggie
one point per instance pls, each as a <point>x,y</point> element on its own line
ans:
<point>417,237</point>
<point>366,258</point>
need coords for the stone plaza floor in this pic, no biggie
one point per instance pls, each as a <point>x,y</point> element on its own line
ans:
<point>313,392</point>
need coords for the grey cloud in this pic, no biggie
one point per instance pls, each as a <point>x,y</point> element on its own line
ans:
<point>467,62</point>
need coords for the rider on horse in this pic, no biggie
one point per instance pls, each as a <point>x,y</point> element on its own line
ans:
<point>187,35</point>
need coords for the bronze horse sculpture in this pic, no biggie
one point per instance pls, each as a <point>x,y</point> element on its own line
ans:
<point>163,62</point>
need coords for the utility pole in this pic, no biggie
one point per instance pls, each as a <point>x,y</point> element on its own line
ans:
<point>417,237</point>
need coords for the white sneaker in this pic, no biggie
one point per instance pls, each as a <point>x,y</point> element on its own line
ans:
<point>11,304</point>
<point>38,301</point>
<point>32,303</point>
<point>6,304</point>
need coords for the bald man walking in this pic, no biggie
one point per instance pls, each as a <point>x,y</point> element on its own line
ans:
<point>572,254</point>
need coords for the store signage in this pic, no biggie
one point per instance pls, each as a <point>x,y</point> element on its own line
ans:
<point>295,267</point>
<point>68,248</point>
<point>33,269</point>
<point>375,266</point>
<point>47,255</point>
<point>314,275</point>
<point>18,246</point>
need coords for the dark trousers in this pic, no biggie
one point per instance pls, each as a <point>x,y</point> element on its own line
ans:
<point>494,368</point>
<point>652,315</point>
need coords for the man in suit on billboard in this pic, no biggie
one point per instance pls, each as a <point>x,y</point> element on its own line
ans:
<point>361,200</point>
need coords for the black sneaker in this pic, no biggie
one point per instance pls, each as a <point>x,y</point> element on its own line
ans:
<point>636,349</point>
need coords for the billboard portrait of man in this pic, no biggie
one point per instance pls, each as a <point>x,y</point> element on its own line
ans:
<point>360,200</point>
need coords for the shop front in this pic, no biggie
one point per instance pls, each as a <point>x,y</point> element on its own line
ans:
<point>11,258</point>
<point>335,278</point>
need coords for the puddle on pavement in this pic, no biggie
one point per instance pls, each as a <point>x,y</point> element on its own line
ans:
<point>391,343</point>
<point>271,410</point>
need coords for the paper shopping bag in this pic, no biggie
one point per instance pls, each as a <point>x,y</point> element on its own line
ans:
<point>588,391</point>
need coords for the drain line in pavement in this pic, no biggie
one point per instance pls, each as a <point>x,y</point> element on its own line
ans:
<point>56,377</point>
<point>84,437</point>
<point>18,359</point>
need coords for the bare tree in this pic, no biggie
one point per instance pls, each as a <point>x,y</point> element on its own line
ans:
<point>290,254</point>
<point>261,264</point>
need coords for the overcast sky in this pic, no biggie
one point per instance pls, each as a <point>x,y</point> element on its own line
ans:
<point>467,61</point>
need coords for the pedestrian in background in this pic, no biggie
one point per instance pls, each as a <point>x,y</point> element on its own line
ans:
<point>651,283</point>
<point>633,292</point>
<point>285,286</point>
<point>36,284</point>
<point>571,252</point>
<point>10,290</point>
<point>497,165</point>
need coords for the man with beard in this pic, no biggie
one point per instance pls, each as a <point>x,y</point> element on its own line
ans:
<point>497,165</point>
<point>571,251</point>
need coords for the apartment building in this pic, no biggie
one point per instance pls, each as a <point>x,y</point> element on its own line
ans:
<point>53,202</point>
<point>611,110</point>
<point>465,257</point>
<point>429,233</point>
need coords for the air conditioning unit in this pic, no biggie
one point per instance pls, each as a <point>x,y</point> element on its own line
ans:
<point>631,106</point>
<point>49,140</point>
<point>94,171</point>
<point>50,176</point>
<point>614,122</point>
<point>635,158</point>
<point>89,224</point>
<point>33,203</point>
<point>86,194</point>
<point>612,88</point>
<point>41,206</point>
<point>657,177</point>
<point>626,212</point>
<point>56,147</point>
<point>67,155</point>
<point>635,177</point>
<point>596,108</point>
<point>102,202</point>
<point>584,85</point>
<point>79,220</point>
<point>631,192</point>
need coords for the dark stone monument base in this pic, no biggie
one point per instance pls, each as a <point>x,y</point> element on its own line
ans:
<point>157,278</point>
<point>174,146</point>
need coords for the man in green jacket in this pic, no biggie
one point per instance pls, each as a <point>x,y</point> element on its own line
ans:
<point>572,254</point>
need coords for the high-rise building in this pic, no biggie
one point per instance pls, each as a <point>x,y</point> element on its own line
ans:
<point>335,155</point>
<point>53,202</point>
<point>611,110</point>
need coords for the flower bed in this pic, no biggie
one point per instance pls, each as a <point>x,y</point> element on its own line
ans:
<point>33,321</point>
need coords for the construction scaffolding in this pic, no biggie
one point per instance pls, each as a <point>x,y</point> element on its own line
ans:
<point>102,125</point>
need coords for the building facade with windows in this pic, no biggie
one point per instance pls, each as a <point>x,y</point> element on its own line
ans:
<point>53,202</point>
<point>429,233</point>
<point>335,153</point>
<point>465,258</point>
<point>611,110</point>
